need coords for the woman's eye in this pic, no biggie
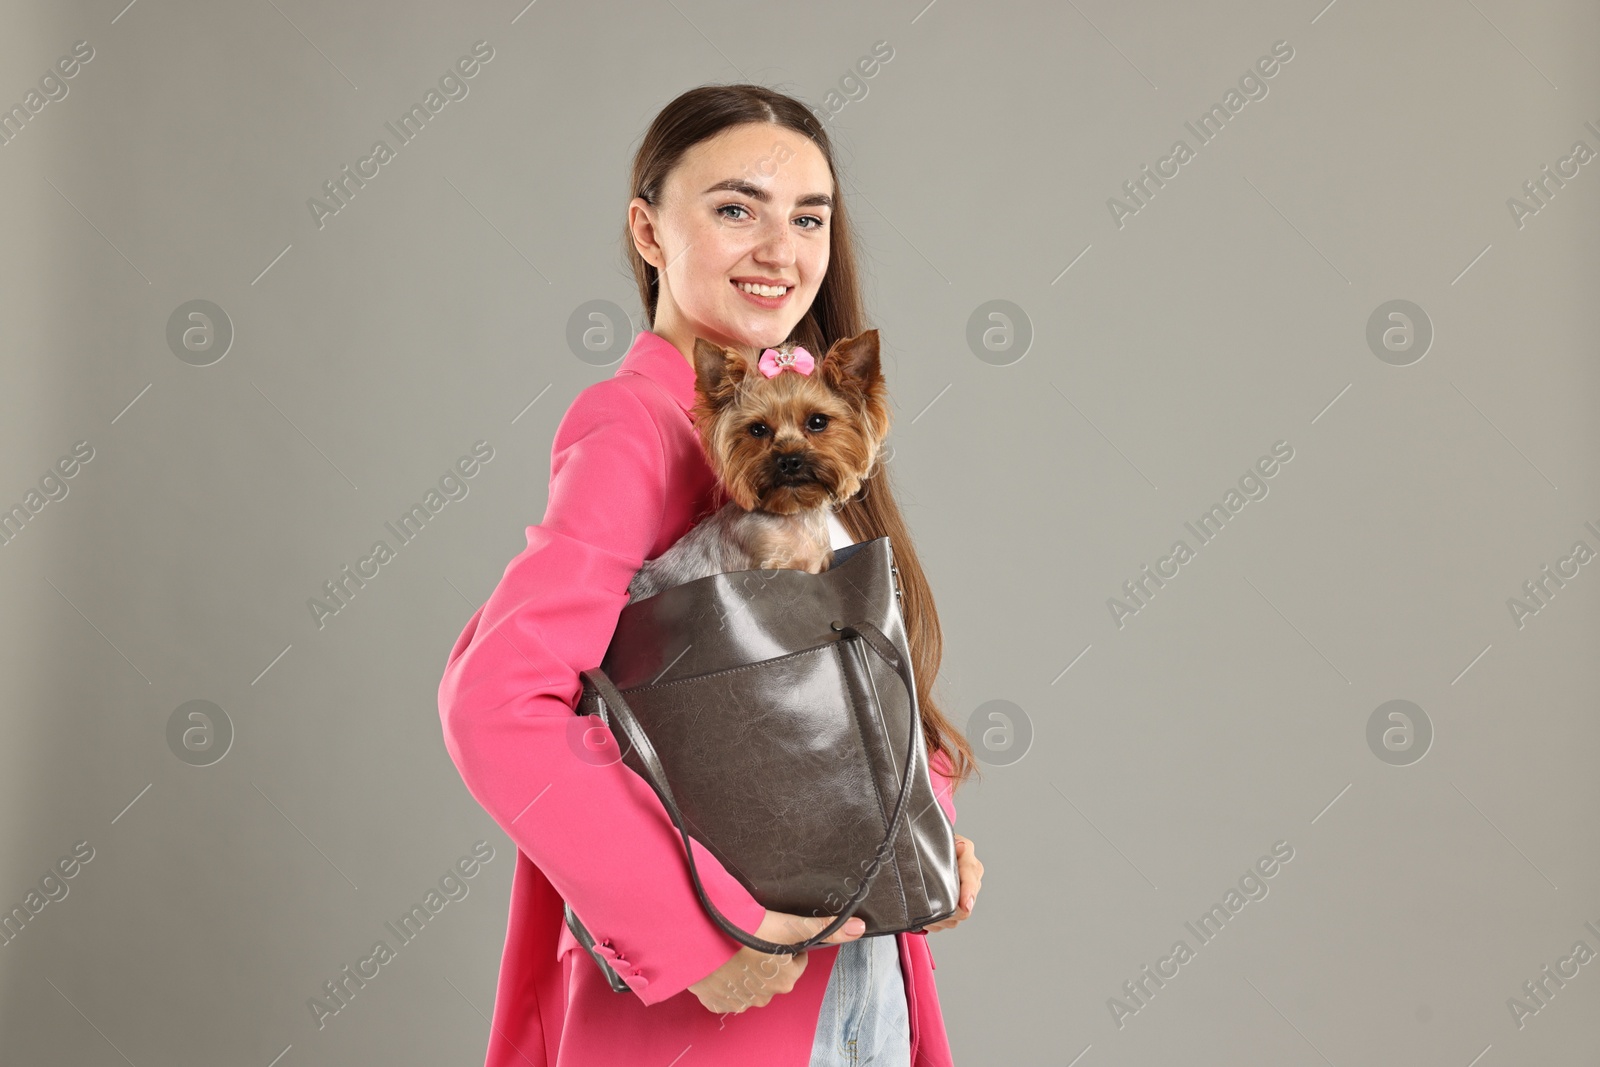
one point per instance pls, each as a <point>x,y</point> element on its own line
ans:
<point>817,423</point>
<point>758,429</point>
<point>816,223</point>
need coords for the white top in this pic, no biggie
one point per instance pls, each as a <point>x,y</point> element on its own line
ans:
<point>837,530</point>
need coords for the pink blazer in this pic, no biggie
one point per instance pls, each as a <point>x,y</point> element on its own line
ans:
<point>627,479</point>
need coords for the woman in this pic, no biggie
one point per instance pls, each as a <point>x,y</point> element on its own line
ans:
<point>734,185</point>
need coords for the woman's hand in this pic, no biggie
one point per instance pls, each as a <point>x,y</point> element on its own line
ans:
<point>971,871</point>
<point>752,978</point>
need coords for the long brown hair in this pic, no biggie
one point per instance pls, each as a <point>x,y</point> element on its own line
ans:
<point>836,313</point>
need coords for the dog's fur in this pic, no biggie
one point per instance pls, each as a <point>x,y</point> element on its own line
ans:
<point>787,450</point>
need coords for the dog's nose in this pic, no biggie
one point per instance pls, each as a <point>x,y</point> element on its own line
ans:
<point>790,463</point>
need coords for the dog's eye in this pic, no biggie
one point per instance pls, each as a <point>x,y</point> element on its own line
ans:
<point>759,429</point>
<point>817,423</point>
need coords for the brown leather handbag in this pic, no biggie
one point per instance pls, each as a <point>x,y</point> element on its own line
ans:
<point>775,714</point>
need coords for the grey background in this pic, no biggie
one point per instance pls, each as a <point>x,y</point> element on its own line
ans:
<point>1230,313</point>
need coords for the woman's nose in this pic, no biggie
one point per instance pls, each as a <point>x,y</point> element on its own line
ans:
<point>777,245</point>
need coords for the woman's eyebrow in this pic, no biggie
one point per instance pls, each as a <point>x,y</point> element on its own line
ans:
<point>755,192</point>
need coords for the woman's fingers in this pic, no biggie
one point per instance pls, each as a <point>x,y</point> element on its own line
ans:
<point>970,870</point>
<point>971,875</point>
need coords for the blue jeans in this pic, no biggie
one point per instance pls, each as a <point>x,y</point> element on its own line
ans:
<point>864,1020</point>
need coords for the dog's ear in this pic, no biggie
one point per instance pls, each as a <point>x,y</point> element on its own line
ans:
<point>853,357</point>
<point>717,370</point>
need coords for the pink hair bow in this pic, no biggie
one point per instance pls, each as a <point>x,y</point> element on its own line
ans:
<point>772,361</point>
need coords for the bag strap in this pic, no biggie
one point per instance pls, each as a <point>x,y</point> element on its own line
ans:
<point>656,774</point>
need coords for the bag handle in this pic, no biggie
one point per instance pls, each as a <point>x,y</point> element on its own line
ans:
<point>611,697</point>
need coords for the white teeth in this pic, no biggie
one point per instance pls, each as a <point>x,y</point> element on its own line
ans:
<point>763,290</point>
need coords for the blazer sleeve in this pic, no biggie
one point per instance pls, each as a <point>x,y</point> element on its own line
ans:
<point>595,829</point>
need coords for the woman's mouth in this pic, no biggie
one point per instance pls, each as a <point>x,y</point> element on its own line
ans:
<point>767,296</point>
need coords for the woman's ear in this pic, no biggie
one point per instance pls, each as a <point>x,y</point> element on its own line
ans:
<point>642,229</point>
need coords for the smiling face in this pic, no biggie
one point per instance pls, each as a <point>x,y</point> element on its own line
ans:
<point>749,207</point>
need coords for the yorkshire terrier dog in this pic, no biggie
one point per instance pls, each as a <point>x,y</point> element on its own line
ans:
<point>790,438</point>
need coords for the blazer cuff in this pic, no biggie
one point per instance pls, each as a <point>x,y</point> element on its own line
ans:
<point>692,947</point>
